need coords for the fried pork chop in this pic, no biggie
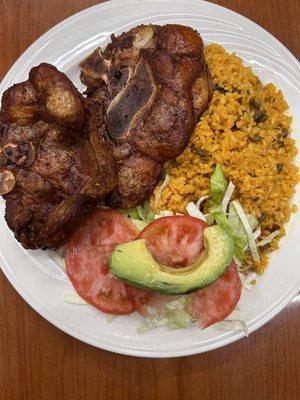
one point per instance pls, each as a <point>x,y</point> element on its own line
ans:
<point>61,154</point>
<point>52,169</point>
<point>146,91</point>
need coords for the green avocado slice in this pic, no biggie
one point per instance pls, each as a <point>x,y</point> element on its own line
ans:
<point>133,263</point>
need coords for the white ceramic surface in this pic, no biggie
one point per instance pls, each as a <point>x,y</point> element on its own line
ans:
<point>37,278</point>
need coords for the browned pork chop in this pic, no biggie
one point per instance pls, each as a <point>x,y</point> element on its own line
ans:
<point>61,154</point>
<point>146,91</point>
<point>51,171</point>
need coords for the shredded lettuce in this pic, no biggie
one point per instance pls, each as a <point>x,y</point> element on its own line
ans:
<point>159,191</point>
<point>199,202</point>
<point>74,299</point>
<point>217,214</point>
<point>164,213</point>
<point>218,185</point>
<point>238,232</point>
<point>179,319</point>
<point>268,239</point>
<point>257,233</point>
<point>239,248</point>
<point>227,197</point>
<point>177,315</point>
<point>140,216</point>
<point>238,241</point>
<point>252,220</point>
<point>194,211</point>
<point>141,213</point>
<point>216,209</point>
<point>173,315</point>
<point>223,222</point>
<point>140,225</point>
<point>237,223</point>
<point>155,322</point>
<point>242,267</point>
<point>177,305</point>
<point>133,213</point>
<point>145,212</point>
<point>144,328</point>
<point>209,219</point>
<point>235,322</point>
<point>249,231</point>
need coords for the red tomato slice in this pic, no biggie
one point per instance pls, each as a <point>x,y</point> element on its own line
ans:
<point>140,298</point>
<point>174,241</point>
<point>86,257</point>
<point>215,302</point>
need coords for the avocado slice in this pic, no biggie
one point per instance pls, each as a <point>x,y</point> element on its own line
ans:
<point>133,263</point>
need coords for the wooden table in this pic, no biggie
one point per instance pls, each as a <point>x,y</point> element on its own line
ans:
<point>37,361</point>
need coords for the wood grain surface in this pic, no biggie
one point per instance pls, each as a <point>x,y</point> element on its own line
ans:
<point>37,361</point>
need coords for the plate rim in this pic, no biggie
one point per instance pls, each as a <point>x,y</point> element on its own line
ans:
<point>8,272</point>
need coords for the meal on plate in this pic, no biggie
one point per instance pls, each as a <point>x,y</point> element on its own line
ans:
<point>164,183</point>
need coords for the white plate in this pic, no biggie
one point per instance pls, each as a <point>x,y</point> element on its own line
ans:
<point>36,277</point>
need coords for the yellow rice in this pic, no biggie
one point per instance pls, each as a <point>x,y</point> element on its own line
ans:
<point>256,156</point>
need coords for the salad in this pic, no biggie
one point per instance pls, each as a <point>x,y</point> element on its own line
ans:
<point>173,270</point>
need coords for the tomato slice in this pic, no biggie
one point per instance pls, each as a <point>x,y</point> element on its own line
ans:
<point>215,302</point>
<point>86,257</point>
<point>174,241</point>
<point>140,299</point>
